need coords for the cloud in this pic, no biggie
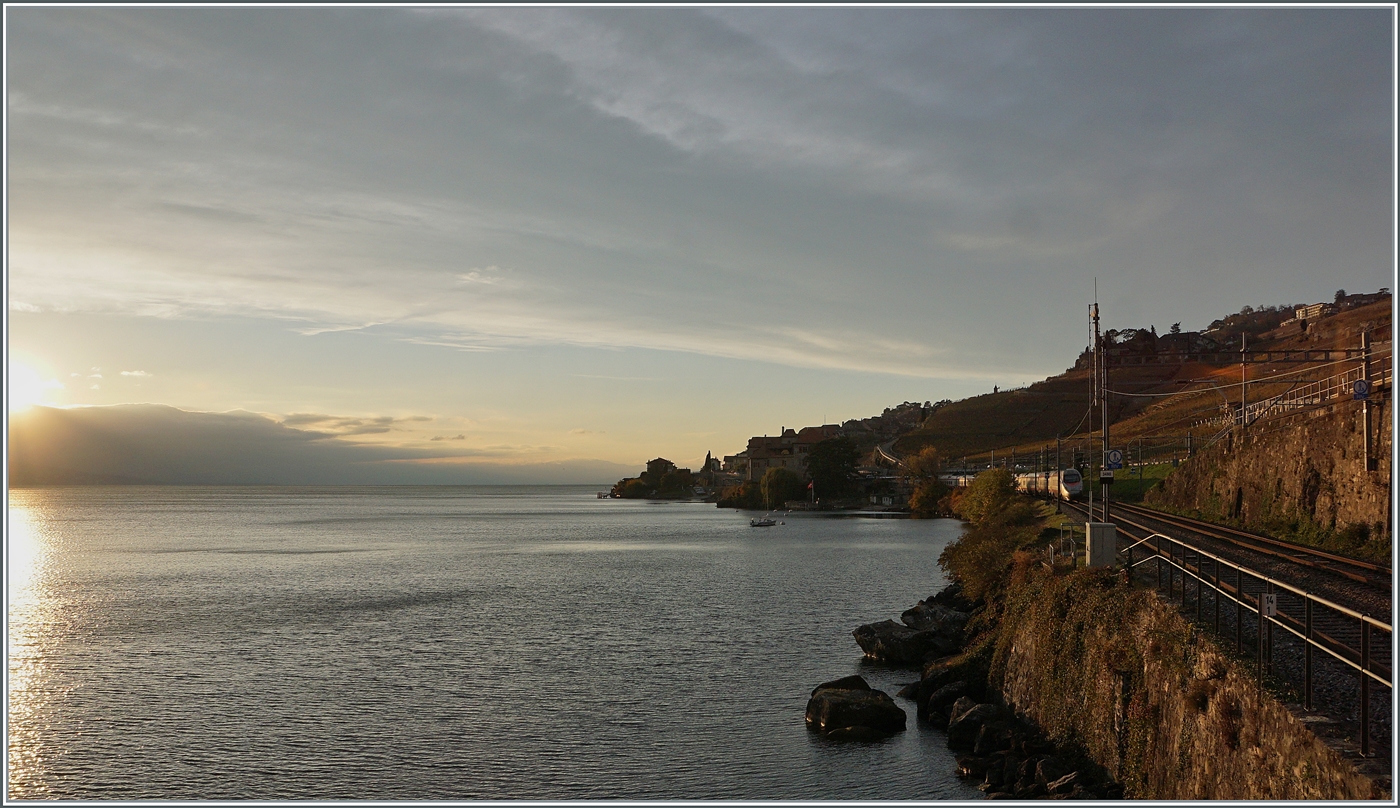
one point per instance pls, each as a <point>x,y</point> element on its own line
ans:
<point>138,373</point>
<point>154,444</point>
<point>489,276</point>
<point>454,437</point>
<point>821,188</point>
<point>348,425</point>
<point>587,432</point>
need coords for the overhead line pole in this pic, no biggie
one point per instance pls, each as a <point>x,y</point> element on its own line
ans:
<point>1103,402</point>
<point>1244,382</point>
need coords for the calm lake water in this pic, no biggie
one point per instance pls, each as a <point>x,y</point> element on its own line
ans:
<point>448,643</point>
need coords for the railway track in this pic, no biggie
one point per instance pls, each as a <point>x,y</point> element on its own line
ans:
<point>1329,642</point>
<point>1319,572</point>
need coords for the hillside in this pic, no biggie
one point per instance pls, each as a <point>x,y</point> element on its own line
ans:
<point>1161,408</point>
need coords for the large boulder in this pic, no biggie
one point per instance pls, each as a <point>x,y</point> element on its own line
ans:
<point>941,700</point>
<point>899,644</point>
<point>849,709</point>
<point>952,597</point>
<point>1050,770</point>
<point>964,725</point>
<point>933,617</point>
<point>852,682</point>
<point>994,736</point>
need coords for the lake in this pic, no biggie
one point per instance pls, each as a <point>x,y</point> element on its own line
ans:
<point>449,643</point>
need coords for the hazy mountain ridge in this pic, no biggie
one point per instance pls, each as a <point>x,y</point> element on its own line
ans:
<point>162,445</point>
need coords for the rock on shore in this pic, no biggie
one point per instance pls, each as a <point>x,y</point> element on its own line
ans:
<point>849,709</point>
<point>928,631</point>
<point>1008,754</point>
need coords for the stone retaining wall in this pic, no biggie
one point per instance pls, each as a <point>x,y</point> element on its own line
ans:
<point>1101,664</point>
<point>1308,465</point>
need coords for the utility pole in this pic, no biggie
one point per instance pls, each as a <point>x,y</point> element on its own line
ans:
<point>1093,357</point>
<point>1244,382</point>
<point>1103,399</point>
<point>1371,464</point>
<point>1057,467</point>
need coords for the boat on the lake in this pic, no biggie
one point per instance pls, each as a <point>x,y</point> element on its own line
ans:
<point>764,522</point>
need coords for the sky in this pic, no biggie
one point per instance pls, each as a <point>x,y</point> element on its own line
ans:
<point>548,244</point>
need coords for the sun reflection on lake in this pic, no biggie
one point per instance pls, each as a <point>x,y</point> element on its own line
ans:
<point>21,553</point>
<point>24,564</point>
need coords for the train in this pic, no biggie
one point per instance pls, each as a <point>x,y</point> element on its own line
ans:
<point>1066,483</point>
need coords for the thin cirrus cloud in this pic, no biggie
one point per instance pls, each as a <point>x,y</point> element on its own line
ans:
<point>349,426</point>
<point>922,192</point>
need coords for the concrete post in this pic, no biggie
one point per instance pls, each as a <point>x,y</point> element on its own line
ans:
<point>1102,541</point>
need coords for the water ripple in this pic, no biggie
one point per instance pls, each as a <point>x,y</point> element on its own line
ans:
<point>403,643</point>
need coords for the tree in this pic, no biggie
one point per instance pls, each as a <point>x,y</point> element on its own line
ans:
<point>921,470</point>
<point>1340,296</point>
<point>832,466</point>
<point>1176,328</point>
<point>923,464</point>
<point>780,485</point>
<point>632,488</point>
<point>676,480</point>
<point>989,493</point>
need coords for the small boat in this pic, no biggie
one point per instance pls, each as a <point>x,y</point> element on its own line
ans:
<point>764,522</point>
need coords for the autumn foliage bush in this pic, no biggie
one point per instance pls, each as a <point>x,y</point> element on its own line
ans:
<point>1002,523</point>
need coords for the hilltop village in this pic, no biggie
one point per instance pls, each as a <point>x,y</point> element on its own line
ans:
<point>849,465</point>
<point>881,462</point>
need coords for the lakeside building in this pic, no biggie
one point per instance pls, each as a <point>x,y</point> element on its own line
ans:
<point>787,451</point>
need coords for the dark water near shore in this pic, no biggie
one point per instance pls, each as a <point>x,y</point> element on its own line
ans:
<point>447,643</point>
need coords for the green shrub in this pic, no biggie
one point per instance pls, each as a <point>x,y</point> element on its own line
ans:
<point>928,498</point>
<point>745,495</point>
<point>779,486</point>
<point>991,491</point>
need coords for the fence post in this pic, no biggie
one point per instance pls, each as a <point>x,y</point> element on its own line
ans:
<point>1239,610</point>
<point>1307,652</point>
<point>1215,570</point>
<point>1183,577</point>
<point>1259,607</point>
<point>1365,688</point>
<point>1200,588</point>
<point>1269,626</point>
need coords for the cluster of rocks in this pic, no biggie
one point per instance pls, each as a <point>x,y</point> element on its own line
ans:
<point>1014,761</point>
<point>930,630</point>
<point>1009,755</point>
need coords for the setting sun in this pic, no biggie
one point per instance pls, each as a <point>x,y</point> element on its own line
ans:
<point>27,387</point>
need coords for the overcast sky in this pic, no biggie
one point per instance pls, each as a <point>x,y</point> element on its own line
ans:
<point>522,236</point>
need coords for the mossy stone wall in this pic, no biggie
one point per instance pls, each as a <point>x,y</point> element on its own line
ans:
<point>1110,667</point>
<point>1305,467</point>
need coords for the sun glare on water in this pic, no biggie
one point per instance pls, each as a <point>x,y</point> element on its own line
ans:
<point>25,558</point>
<point>27,387</point>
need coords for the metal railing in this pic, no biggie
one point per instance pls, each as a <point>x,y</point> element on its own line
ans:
<point>1312,394</point>
<point>1319,624</point>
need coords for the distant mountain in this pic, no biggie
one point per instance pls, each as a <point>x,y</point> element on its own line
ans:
<point>157,444</point>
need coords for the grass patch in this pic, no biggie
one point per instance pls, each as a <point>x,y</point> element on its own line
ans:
<point>1131,485</point>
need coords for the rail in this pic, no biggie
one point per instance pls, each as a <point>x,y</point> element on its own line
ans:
<point>1294,611</point>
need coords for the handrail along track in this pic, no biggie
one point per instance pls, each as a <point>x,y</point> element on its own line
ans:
<point>1318,623</point>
